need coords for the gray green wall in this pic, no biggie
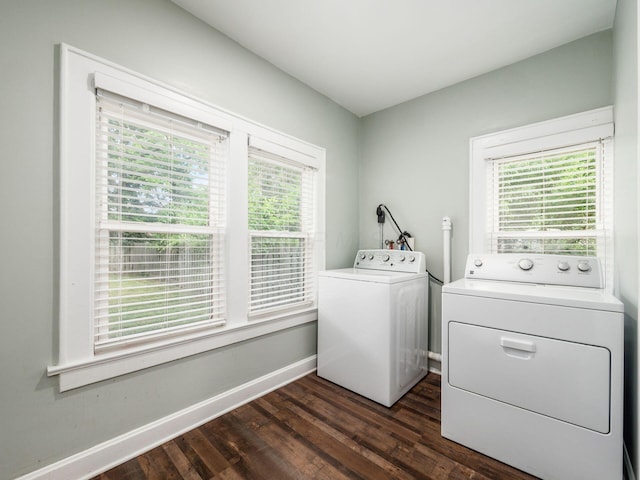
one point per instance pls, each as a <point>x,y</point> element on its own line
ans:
<point>625,88</point>
<point>415,156</point>
<point>37,424</point>
<point>412,157</point>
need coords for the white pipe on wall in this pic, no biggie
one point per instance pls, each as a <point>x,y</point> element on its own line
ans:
<point>446,232</point>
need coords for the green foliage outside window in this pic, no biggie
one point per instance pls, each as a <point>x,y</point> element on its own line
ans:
<point>553,193</point>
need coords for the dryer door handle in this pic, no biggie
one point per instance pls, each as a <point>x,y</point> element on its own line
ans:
<point>517,344</point>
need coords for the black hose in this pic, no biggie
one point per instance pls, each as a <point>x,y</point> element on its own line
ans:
<point>403,234</point>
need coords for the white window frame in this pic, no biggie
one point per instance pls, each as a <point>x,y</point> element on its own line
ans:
<point>110,108</point>
<point>307,233</point>
<point>591,126</point>
<point>78,364</point>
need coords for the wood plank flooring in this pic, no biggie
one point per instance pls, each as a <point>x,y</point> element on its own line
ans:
<point>313,429</point>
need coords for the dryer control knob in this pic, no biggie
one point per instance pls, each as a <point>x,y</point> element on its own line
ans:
<point>477,262</point>
<point>371,257</point>
<point>362,256</point>
<point>564,266</point>
<point>525,264</point>
<point>385,257</point>
<point>584,266</point>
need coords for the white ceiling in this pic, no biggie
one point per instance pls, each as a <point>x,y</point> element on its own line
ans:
<point>368,55</point>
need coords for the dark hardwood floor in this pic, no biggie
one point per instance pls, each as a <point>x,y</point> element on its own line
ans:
<point>313,429</point>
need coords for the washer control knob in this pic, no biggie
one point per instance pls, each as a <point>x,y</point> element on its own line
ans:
<point>564,266</point>
<point>584,266</point>
<point>385,257</point>
<point>402,258</point>
<point>477,262</point>
<point>371,256</point>
<point>362,256</point>
<point>525,264</point>
<point>412,259</point>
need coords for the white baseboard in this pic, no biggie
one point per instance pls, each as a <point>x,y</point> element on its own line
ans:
<point>435,367</point>
<point>435,362</point>
<point>628,467</point>
<point>111,453</point>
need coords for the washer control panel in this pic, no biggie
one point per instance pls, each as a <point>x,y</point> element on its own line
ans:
<point>536,268</point>
<point>391,260</point>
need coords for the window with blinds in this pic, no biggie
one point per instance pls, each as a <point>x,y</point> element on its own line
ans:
<point>281,232</point>
<point>160,223</point>
<point>556,201</point>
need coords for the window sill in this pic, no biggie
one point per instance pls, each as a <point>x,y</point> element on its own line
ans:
<point>108,365</point>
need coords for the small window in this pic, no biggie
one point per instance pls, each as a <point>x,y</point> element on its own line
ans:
<point>546,188</point>
<point>281,231</point>
<point>548,202</point>
<point>160,187</point>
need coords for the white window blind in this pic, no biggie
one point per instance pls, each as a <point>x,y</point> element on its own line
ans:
<point>555,201</point>
<point>160,223</point>
<point>281,231</point>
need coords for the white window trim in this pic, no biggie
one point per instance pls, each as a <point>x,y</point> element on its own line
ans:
<point>77,363</point>
<point>296,159</point>
<point>560,132</point>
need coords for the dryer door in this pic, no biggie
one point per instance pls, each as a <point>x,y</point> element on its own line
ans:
<point>564,380</point>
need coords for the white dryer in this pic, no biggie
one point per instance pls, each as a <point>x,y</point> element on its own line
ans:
<point>373,324</point>
<point>532,365</point>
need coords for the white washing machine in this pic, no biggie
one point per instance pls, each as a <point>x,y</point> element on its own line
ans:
<point>373,324</point>
<point>532,365</point>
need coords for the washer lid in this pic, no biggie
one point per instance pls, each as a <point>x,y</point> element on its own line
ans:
<point>376,276</point>
<point>579,297</point>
